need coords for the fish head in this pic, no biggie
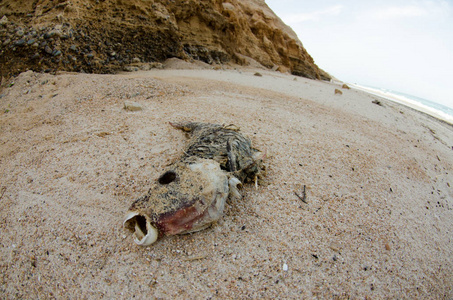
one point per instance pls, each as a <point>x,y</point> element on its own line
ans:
<point>187,197</point>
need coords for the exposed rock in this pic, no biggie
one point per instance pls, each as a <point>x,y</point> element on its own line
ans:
<point>122,32</point>
<point>338,92</point>
<point>132,106</point>
<point>345,86</point>
<point>377,102</point>
<point>3,21</point>
<point>20,42</point>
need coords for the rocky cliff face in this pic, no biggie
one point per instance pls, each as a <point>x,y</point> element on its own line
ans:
<point>106,35</point>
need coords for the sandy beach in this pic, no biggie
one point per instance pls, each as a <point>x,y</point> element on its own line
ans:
<point>377,222</point>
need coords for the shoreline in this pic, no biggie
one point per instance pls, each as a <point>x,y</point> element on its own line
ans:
<point>433,112</point>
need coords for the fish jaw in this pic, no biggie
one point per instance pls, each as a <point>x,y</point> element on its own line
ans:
<point>144,232</point>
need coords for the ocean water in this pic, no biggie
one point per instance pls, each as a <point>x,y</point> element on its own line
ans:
<point>434,109</point>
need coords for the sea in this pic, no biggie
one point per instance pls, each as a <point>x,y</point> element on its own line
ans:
<point>434,109</point>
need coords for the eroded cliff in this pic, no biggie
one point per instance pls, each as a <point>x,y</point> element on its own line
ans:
<point>104,36</point>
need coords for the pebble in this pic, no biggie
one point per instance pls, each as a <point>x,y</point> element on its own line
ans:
<point>48,50</point>
<point>132,106</point>
<point>4,21</point>
<point>130,69</point>
<point>335,246</point>
<point>56,52</point>
<point>377,102</point>
<point>285,267</point>
<point>20,42</point>
<point>49,34</point>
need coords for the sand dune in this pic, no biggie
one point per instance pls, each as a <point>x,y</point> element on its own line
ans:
<point>377,222</point>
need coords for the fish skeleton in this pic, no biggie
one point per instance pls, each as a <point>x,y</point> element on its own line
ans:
<point>191,194</point>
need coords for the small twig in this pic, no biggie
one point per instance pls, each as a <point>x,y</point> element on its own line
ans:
<point>3,190</point>
<point>195,257</point>
<point>302,198</point>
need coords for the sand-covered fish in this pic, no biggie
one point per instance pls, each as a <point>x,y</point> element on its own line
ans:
<point>191,194</point>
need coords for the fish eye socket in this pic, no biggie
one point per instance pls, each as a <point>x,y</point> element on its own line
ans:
<point>167,177</point>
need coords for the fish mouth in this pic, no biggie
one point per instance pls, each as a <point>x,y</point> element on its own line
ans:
<point>145,234</point>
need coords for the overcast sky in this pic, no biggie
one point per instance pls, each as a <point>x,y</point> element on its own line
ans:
<point>405,46</point>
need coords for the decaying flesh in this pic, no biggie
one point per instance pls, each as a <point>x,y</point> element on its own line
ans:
<point>191,194</point>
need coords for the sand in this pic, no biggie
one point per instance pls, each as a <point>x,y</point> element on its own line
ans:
<point>377,222</point>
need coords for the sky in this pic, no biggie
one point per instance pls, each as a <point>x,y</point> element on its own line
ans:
<point>406,46</point>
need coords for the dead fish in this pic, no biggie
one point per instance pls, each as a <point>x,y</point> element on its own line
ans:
<point>191,194</point>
